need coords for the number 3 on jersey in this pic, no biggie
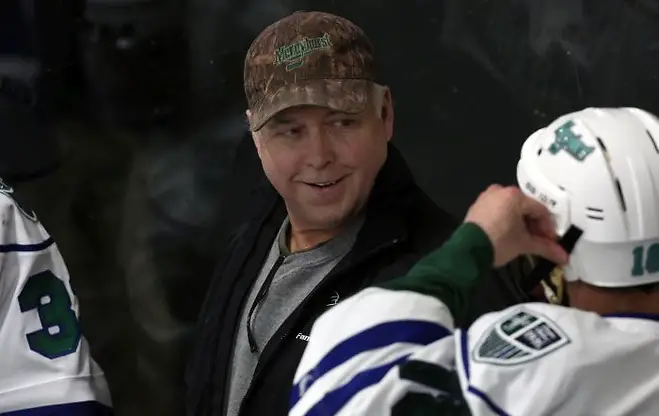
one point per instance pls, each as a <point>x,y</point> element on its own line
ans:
<point>60,332</point>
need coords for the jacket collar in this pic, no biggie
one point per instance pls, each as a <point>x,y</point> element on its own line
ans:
<point>386,221</point>
<point>394,178</point>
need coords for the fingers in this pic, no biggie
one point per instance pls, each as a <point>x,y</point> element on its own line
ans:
<point>547,227</point>
<point>549,249</point>
<point>542,232</point>
<point>494,187</point>
<point>516,224</point>
<point>543,227</point>
<point>539,220</point>
<point>533,208</point>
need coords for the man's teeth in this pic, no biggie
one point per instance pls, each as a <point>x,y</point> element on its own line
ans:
<point>324,184</point>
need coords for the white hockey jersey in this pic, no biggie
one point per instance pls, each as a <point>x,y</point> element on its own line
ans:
<point>45,364</point>
<point>395,352</point>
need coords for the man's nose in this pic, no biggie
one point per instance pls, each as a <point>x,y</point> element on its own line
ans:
<point>321,151</point>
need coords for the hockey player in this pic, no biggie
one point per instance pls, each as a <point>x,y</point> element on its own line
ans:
<point>45,365</point>
<point>393,350</point>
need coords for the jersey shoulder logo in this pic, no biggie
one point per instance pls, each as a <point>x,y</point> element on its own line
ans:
<point>518,338</point>
<point>333,300</point>
<point>8,191</point>
<point>566,139</point>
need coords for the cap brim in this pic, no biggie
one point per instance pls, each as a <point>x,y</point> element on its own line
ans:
<point>347,95</point>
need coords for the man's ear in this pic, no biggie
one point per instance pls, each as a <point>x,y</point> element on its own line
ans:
<point>254,134</point>
<point>388,114</point>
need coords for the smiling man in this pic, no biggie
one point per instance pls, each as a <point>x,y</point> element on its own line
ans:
<point>339,211</point>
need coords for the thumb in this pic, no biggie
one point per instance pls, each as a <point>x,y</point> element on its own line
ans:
<point>534,209</point>
<point>548,249</point>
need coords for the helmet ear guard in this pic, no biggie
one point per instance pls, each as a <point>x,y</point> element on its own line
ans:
<point>549,274</point>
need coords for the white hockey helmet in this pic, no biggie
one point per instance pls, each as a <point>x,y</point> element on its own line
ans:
<point>598,170</point>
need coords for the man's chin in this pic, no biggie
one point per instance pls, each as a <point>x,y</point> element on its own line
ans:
<point>327,217</point>
<point>329,221</point>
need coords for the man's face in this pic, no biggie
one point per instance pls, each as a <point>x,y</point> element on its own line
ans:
<point>323,163</point>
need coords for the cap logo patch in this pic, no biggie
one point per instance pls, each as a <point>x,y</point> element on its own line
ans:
<point>293,54</point>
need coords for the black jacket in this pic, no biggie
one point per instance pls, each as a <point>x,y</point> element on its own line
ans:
<point>402,224</point>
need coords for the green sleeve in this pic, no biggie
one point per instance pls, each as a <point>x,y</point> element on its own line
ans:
<point>450,272</point>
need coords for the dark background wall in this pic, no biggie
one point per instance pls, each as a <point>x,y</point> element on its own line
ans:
<point>118,119</point>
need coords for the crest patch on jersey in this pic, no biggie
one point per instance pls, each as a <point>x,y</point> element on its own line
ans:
<point>519,338</point>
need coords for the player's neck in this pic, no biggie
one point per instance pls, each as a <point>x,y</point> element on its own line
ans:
<point>636,303</point>
<point>647,304</point>
<point>611,301</point>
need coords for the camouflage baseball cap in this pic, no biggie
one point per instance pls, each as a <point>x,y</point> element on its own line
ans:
<point>308,58</point>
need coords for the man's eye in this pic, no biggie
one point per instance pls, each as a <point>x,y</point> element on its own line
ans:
<point>292,132</point>
<point>344,122</point>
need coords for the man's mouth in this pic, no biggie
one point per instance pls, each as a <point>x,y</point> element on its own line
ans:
<point>324,184</point>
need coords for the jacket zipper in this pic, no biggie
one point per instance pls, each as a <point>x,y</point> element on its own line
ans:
<point>262,293</point>
<point>316,289</point>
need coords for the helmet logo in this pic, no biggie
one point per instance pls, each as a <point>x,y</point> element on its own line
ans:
<point>566,139</point>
